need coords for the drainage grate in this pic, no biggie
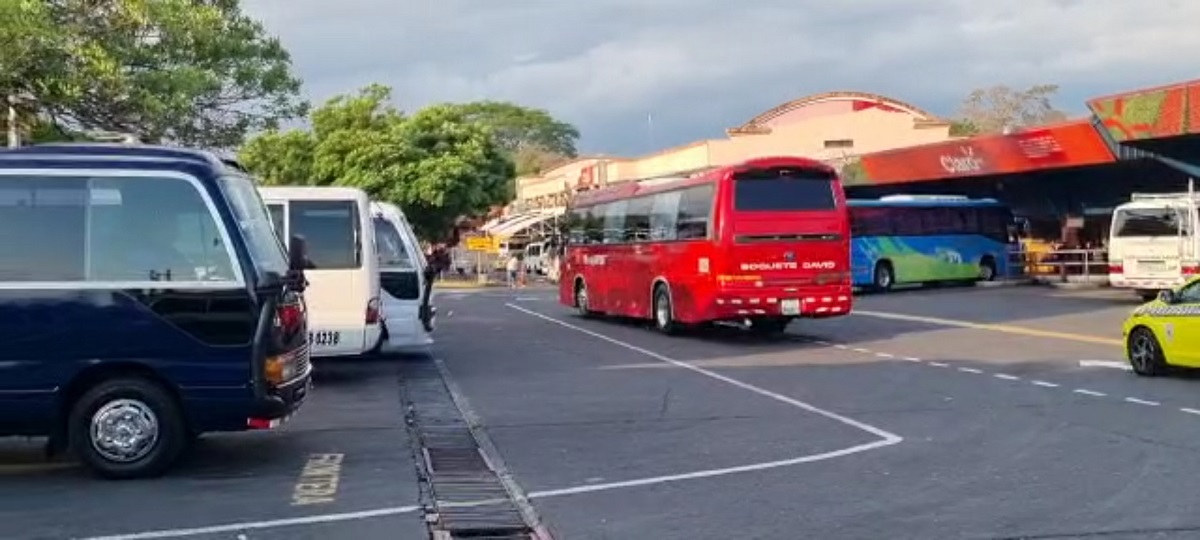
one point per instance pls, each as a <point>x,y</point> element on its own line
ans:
<point>467,497</point>
<point>455,460</point>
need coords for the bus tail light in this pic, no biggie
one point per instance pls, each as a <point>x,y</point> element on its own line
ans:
<point>1191,270</point>
<point>372,311</point>
<point>1115,267</point>
<point>290,317</point>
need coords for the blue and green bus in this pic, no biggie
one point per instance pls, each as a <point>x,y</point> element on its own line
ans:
<point>919,239</point>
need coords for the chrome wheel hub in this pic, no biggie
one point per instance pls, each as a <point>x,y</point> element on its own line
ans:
<point>662,312</point>
<point>124,430</point>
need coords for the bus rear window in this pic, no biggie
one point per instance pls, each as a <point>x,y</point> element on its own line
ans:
<point>783,190</point>
<point>330,229</point>
<point>1148,222</point>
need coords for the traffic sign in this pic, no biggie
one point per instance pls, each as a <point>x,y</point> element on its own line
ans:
<point>480,243</point>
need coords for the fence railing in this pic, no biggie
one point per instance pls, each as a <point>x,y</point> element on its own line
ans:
<point>1060,264</point>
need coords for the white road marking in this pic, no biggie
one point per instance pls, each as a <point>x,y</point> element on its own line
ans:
<point>1004,328</point>
<point>1045,384</point>
<point>884,355</point>
<point>840,346</point>
<point>970,370</point>
<point>887,438</point>
<point>1111,364</point>
<point>1190,411</point>
<point>939,364</point>
<point>861,350</point>
<point>822,342</point>
<point>267,524</point>
<point>911,359</point>
<point>1006,377</point>
<point>1087,392</point>
<point>1142,401</point>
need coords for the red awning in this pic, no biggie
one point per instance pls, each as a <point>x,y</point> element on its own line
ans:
<point>1070,144</point>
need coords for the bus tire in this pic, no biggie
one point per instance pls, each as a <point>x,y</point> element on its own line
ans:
<point>136,409</point>
<point>884,276</point>
<point>664,318</point>
<point>581,299</point>
<point>987,269</point>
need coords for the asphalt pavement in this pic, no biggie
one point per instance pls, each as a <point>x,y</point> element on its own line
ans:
<point>948,413</point>
<point>956,413</point>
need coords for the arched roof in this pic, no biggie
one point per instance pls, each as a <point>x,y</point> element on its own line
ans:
<point>758,124</point>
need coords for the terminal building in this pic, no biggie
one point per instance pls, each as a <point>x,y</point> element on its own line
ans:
<point>835,127</point>
<point>1065,175</point>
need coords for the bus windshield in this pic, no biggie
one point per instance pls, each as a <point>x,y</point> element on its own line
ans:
<point>255,224</point>
<point>783,190</point>
<point>1149,222</point>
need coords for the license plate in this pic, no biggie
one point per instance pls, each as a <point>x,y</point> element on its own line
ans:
<point>790,307</point>
<point>1152,265</point>
<point>324,338</point>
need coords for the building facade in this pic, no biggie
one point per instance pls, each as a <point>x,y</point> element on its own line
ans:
<point>835,127</point>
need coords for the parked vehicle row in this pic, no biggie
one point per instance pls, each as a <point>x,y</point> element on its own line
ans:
<point>152,298</point>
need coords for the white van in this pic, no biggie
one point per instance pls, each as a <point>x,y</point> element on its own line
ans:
<point>406,279</point>
<point>344,310</point>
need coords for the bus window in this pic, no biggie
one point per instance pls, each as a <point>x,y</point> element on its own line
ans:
<point>331,229</point>
<point>276,211</point>
<point>780,190</point>
<point>1148,222</point>
<point>390,246</point>
<point>664,215</point>
<point>695,213</point>
<point>637,219</point>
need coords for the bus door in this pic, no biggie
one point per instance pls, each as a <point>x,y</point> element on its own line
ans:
<point>640,268</point>
<point>342,258</point>
<point>609,284</point>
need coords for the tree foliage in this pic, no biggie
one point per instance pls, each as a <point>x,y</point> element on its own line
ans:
<point>532,137</point>
<point>853,172</point>
<point>438,163</point>
<point>192,71</point>
<point>993,109</point>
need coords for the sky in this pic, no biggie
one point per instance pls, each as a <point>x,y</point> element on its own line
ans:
<point>639,76</point>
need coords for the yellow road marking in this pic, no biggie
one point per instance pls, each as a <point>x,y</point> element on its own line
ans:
<point>34,468</point>
<point>1005,328</point>
<point>318,482</point>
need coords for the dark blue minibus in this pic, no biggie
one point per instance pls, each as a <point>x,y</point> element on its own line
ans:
<point>144,299</point>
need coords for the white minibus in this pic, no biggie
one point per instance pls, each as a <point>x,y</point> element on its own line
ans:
<point>335,226</point>
<point>406,280</point>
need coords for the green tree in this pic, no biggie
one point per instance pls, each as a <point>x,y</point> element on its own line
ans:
<point>994,109</point>
<point>852,170</point>
<point>438,164</point>
<point>192,71</point>
<point>532,137</point>
<point>963,128</point>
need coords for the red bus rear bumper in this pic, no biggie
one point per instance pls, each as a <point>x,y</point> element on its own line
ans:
<point>812,304</point>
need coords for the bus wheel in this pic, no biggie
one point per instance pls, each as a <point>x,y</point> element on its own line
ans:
<point>664,319</point>
<point>581,300</point>
<point>987,269</point>
<point>1145,355</point>
<point>127,428</point>
<point>884,276</point>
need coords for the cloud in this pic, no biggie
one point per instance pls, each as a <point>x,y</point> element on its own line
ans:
<point>699,66</point>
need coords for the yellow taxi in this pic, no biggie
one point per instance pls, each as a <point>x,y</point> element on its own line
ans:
<point>1165,332</point>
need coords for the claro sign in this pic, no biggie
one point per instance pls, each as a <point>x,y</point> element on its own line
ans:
<point>965,162</point>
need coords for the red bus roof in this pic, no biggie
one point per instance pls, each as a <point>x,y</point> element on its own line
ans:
<point>626,190</point>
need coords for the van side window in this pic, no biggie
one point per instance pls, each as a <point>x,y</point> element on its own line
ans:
<point>43,226</point>
<point>153,229</point>
<point>108,229</point>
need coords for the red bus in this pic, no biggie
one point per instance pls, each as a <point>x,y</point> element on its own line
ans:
<point>758,243</point>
